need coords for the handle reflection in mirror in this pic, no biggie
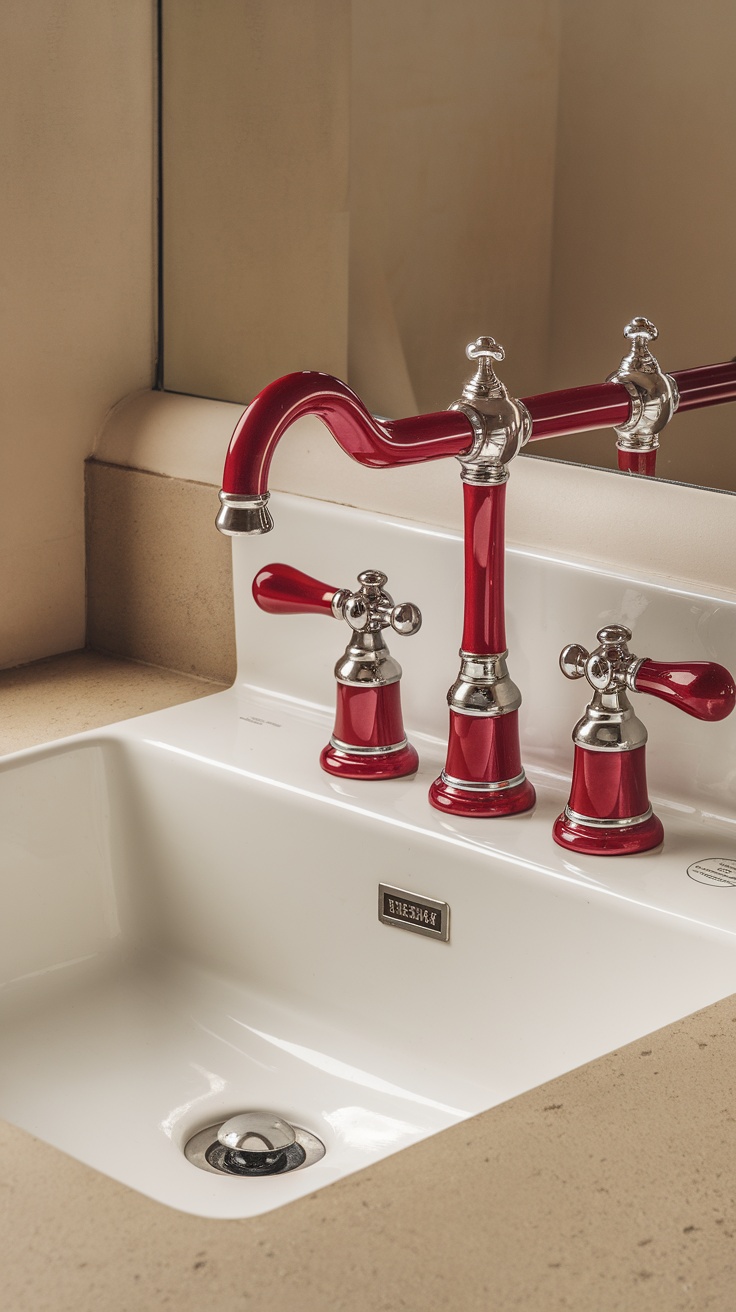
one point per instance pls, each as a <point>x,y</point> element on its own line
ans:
<point>637,462</point>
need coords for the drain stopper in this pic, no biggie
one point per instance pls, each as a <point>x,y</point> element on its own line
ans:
<point>253,1143</point>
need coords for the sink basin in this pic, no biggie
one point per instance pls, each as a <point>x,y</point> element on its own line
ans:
<point>190,923</point>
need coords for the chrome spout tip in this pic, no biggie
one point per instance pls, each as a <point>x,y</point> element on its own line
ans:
<point>244,515</point>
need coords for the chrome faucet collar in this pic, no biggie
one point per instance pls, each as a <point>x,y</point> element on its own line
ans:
<point>483,686</point>
<point>654,394</point>
<point>501,425</point>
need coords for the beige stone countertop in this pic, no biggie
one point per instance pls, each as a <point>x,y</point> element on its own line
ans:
<point>612,1187</point>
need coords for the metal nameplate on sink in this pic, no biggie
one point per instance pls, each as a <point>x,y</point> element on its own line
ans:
<point>422,915</point>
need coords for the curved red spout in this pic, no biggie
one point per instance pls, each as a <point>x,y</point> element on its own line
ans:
<point>381,445</point>
<point>378,445</point>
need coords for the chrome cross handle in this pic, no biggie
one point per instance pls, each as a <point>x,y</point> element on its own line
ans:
<point>372,608</point>
<point>608,668</point>
<point>702,689</point>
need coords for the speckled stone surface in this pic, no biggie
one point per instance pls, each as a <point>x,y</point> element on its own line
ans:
<point>611,1189</point>
<point>159,578</point>
<point>78,691</point>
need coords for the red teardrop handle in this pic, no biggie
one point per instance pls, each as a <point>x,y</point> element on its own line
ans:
<point>283,590</point>
<point>700,688</point>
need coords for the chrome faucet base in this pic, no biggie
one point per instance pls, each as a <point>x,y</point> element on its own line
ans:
<point>606,838</point>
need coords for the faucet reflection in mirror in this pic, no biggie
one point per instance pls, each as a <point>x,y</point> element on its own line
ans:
<point>655,396</point>
<point>484,430</point>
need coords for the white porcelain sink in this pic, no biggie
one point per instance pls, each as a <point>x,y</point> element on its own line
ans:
<point>190,919</point>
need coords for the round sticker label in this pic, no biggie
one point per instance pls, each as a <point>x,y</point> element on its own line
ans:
<point>720,871</point>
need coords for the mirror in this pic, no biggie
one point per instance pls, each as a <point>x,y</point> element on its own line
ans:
<point>363,187</point>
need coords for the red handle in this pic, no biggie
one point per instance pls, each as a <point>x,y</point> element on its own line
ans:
<point>700,688</point>
<point>283,590</point>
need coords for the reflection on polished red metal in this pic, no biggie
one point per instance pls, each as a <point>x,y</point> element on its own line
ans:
<point>608,786</point>
<point>484,625</point>
<point>369,718</point>
<point>607,405</point>
<point>482,806</point>
<point>638,462</point>
<point>483,753</point>
<point>383,765</point>
<point>283,590</point>
<point>608,842</point>
<point>709,384</point>
<point>699,688</point>
<point>578,410</point>
<point>483,750</point>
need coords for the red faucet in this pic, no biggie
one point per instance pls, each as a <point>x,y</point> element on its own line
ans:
<point>485,429</point>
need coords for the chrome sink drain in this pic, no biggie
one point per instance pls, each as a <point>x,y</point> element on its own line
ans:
<point>253,1144</point>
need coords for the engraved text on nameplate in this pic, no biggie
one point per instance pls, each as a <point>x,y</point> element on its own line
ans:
<point>422,915</point>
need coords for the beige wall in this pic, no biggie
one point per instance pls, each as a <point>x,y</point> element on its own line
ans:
<point>255,191</point>
<point>441,120</point>
<point>452,155</point>
<point>77,306</point>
